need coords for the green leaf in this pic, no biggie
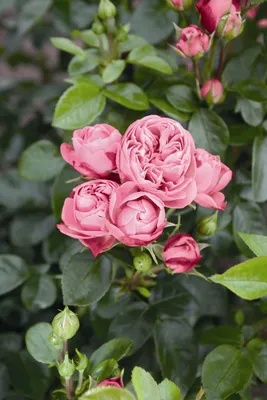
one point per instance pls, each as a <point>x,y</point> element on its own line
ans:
<point>132,42</point>
<point>169,391</point>
<point>85,63</point>
<point>13,272</point>
<point>153,20</point>
<point>259,169</point>
<point>85,279</point>
<point>243,134</point>
<point>128,95</point>
<point>144,385</point>
<point>107,393</point>
<point>252,89</point>
<point>67,45</point>
<point>256,243</point>
<point>78,106</point>
<point>252,112</point>
<point>247,280</point>
<point>225,371</point>
<point>38,345</point>
<point>62,189</point>
<point>209,131</point>
<point>169,110</point>
<point>247,218</point>
<point>88,36</point>
<point>182,98</point>
<point>115,349</point>
<point>9,342</point>
<point>40,162</point>
<point>146,56</point>
<point>133,323</point>
<point>39,292</point>
<point>38,226</point>
<point>177,352</point>
<point>257,354</point>
<point>223,335</point>
<point>31,13</point>
<point>113,71</point>
<point>105,370</point>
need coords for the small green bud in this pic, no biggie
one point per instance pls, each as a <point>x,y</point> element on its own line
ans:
<point>98,27</point>
<point>122,33</point>
<point>67,368</point>
<point>239,317</point>
<point>106,9</point>
<point>143,262</point>
<point>55,340</point>
<point>65,324</point>
<point>82,361</point>
<point>230,26</point>
<point>207,226</point>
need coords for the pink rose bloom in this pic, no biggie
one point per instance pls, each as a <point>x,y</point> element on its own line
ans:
<point>212,176</point>
<point>212,91</point>
<point>94,150</point>
<point>251,14</point>
<point>135,218</point>
<point>181,253</point>
<point>262,23</point>
<point>211,12</point>
<point>84,215</point>
<point>158,155</point>
<point>117,382</point>
<point>193,42</point>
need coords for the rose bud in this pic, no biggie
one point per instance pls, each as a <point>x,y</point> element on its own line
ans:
<point>181,253</point>
<point>212,176</point>
<point>117,382</point>
<point>251,14</point>
<point>66,368</point>
<point>193,42</point>
<point>230,26</point>
<point>94,150</point>
<point>212,91</point>
<point>65,324</point>
<point>262,23</point>
<point>82,361</point>
<point>84,215</point>
<point>182,5</point>
<point>106,9</point>
<point>157,154</point>
<point>207,226</point>
<point>211,11</point>
<point>134,217</point>
<point>142,262</point>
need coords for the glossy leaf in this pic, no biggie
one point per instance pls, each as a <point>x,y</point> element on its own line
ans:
<point>113,71</point>
<point>252,89</point>
<point>168,109</point>
<point>169,391</point>
<point>182,98</point>
<point>257,353</point>
<point>144,385</point>
<point>256,243</point>
<point>38,345</point>
<point>252,112</point>
<point>39,292</point>
<point>225,371</point>
<point>128,95</point>
<point>85,279</point>
<point>105,369</point>
<point>223,335</point>
<point>67,45</point>
<point>115,349</point>
<point>146,56</point>
<point>40,162</point>
<point>259,169</point>
<point>107,393</point>
<point>248,280</point>
<point>13,272</point>
<point>81,64</point>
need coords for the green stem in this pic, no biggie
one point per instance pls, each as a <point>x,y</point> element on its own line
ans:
<point>209,69</point>
<point>80,382</point>
<point>197,76</point>
<point>170,212</point>
<point>69,384</point>
<point>221,63</point>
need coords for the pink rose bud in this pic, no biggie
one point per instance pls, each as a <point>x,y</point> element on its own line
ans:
<point>251,14</point>
<point>117,382</point>
<point>262,23</point>
<point>182,4</point>
<point>84,215</point>
<point>181,253</point>
<point>230,26</point>
<point>211,11</point>
<point>212,176</point>
<point>134,217</point>
<point>157,154</point>
<point>94,150</point>
<point>193,42</point>
<point>212,91</point>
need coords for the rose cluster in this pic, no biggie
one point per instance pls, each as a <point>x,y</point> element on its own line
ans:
<point>131,179</point>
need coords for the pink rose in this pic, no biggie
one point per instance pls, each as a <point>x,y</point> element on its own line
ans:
<point>212,176</point>
<point>181,253</point>
<point>262,23</point>
<point>94,150</point>
<point>84,215</point>
<point>251,14</point>
<point>158,155</point>
<point>135,218</point>
<point>212,91</point>
<point>182,4</point>
<point>117,382</point>
<point>193,42</point>
<point>211,12</point>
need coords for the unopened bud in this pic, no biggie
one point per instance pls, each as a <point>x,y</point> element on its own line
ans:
<point>207,226</point>
<point>122,33</point>
<point>230,26</point>
<point>213,91</point>
<point>55,340</point>
<point>181,5</point>
<point>67,367</point>
<point>106,9</point>
<point>143,262</point>
<point>98,27</point>
<point>65,324</point>
<point>82,361</point>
